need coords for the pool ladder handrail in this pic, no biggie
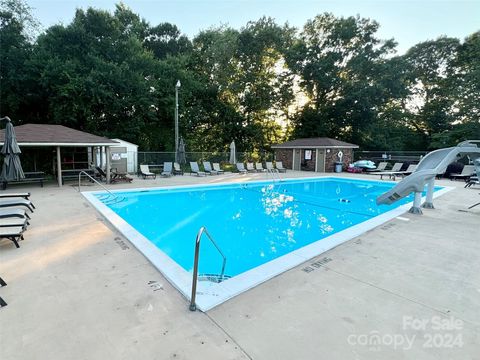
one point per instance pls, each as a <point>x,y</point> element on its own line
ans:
<point>274,172</point>
<point>203,230</point>
<point>95,181</point>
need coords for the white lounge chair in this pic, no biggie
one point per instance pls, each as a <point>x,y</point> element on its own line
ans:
<point>13,213</point>
<point>17,202</point>
<point>24,195</point>
<point>195,169</point>
<point>270,167</point>
<point>259,166</point>
<point>216,167</point>
<point>279,166</point>
<point>145,171</point>
<point>14,234</point>
<point>241,168</point>
<point>208,168</point>
<point>177,170</point>
<point>14,221</point>
<point>167,169</point>
<point>250,167</point>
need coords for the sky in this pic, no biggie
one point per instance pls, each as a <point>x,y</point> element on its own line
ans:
<point>408,22</point>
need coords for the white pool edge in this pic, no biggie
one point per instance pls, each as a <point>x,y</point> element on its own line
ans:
<point>210,294</point>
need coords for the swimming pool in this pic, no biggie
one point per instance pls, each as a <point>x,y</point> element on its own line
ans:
<point>263,228</point>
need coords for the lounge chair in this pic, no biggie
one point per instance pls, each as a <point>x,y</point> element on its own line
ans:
<point>467,172</point>
<point>101,174</point>
<point>177,170</point>
<point>145,172</point>
<point>241,168</point>
<point>279,166</point>
<point>195,169</point>
<point>9,222</point>
<point>269,166</point>
<point>13,213</point>
<point>208,168</point>
<point>259,166</point>
<point>24,195</point>
<point>395,171</point>
<point>16,202</point>
<point>381,166</point>
<point>411,168</point>
<point>250,167</point>
<point>167,169</point>
<point>116,177</point>
<point>14,233</point>
<point>216,167</point>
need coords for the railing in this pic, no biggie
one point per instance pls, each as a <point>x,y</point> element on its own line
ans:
<point>95,181</point>
<point>203,230</point>
<point>275,174</point>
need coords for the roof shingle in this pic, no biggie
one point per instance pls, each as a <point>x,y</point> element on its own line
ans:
<point>54,134</point>
<point>319,142</point>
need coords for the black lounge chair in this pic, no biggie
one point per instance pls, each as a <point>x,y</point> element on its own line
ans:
<point>195,169</point>
<point>13,234</point>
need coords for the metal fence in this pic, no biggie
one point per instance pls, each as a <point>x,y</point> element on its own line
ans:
<point>402,156</point>
<point>158,158</point>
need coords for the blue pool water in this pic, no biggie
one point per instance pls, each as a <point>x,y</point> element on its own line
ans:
<point>252,223</point>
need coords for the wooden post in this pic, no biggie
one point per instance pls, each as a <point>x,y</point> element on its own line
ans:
<point>59,166</point>
<point>107,155</point>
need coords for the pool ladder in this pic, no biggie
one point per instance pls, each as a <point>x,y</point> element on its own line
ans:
<point>275,175</point>
<point>111,198</point>
<point>203,230</point>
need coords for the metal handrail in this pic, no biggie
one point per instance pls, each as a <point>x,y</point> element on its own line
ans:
<point>94,180</point>
<point>274,172</point>
<point>203,230</point>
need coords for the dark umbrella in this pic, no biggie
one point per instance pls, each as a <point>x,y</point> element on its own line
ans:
<point>12,168</point>
<point>181,152</point>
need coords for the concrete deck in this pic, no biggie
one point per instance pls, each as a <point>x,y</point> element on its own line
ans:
<point>409,289</point>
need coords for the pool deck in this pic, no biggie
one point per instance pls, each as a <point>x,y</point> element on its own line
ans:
<point>408,289</point>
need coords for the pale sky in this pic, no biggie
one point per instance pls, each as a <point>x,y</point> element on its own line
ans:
<point>408,21</point>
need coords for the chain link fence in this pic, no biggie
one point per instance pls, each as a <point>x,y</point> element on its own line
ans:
<point>394,156</point>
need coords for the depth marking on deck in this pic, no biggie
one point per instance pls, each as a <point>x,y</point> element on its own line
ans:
<point>121,243</point>
<point>402,218</point>
<point>316,265</point>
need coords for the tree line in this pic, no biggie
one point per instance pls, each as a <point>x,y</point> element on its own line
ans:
<point>114,74</point>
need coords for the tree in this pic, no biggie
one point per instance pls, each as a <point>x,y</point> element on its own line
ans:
<point>345,71</point>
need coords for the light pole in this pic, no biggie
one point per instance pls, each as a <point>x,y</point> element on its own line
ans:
<point>177,87</point>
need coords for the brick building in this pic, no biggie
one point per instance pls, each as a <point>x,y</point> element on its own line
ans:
<point>313,154</point>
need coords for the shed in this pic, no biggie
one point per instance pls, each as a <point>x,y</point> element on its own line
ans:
<point>124,156</point>
<point>313,154</point>
<point>73,148</point>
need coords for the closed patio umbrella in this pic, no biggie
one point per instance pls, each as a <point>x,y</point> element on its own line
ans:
<point>233,155</point>
<point>181,152</point>
<point>12,168</point>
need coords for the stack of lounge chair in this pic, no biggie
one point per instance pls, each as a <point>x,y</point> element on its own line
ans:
<point>14,218</point>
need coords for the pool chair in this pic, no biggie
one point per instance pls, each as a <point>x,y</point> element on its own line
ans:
<point>177,170</point>
<point>208,168</point>
<point>14,234</point>
<point>250,167</point>
<point>259,167</point>
<point>24,195</point>
<point>194,169</point>
<point>16,202</point>
<point>395,171</point>
<point>216,167</point>
<point>145,172</point>
<point>9,222</point>
<point>269,166</point>
<point>241,168</point>
<point>167,169</point>
<point>381,166</point>
<point>467,172</point>
<point>279,166</point>
<point>13,213</point>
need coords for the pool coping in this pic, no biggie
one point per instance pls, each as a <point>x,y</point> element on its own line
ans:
<point>211,294</point>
